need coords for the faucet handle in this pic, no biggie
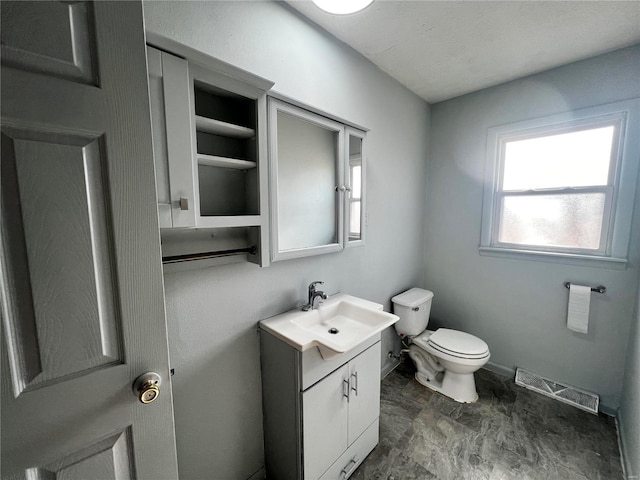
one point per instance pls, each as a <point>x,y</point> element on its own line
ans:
<point>312,285</point>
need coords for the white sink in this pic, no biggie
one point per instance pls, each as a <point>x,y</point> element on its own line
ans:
<point>341,323</point>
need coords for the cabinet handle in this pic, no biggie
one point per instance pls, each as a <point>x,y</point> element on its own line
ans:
<point>184,203</point>
<point>348,468</point>
<point>345,393</point>
<point>355,388</point>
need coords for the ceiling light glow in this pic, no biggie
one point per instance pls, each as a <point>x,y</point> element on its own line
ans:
<point>342,7</point>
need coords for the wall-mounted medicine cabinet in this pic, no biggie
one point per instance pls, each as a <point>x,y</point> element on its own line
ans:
<point>210,148</point>
<point>316,181</point>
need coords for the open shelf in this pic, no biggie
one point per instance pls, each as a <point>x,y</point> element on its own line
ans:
<point>218,127</point>
<point>220,243</point>
<point>226,221</point>
<point>227,173</point>
<point>225,162</point>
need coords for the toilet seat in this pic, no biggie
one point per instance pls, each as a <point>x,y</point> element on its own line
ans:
<point>454,343</point>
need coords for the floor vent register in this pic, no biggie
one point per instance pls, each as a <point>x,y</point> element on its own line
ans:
<point>565,393</point>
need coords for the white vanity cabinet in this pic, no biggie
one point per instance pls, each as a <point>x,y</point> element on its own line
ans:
<point>209,132</point>
<point>320,416</point>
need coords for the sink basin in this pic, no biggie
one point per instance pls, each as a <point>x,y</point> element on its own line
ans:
<point>341,323</point>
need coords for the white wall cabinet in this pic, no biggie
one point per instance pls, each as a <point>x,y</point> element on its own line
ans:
<point>210,154</point>
<point>316,182</point>
<point>320,416</point>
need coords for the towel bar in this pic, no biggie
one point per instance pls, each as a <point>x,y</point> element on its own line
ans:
<point>598,289</point>
<point>252,250</point>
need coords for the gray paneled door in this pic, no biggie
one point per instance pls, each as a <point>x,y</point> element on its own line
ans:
<point>82,299</point>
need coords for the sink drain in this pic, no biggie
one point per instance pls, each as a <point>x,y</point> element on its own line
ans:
<point>333,331</point>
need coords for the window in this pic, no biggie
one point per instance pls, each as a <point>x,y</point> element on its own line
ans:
<point>555,189</point>
<point>562,186</point>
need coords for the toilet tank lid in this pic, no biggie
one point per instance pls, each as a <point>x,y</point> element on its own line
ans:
<point>413,298</point>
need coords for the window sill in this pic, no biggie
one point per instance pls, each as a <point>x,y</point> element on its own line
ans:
<point>555,257</point>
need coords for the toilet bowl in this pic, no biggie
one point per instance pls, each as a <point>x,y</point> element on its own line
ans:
<point>445,359</point>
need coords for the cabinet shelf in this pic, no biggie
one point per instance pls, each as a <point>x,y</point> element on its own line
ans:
<point>225,162</point>
<point>217,127</point>
<point>227,221</point>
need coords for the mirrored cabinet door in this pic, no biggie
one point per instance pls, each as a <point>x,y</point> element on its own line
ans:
<point>355,187</point>
<point>307,185</point>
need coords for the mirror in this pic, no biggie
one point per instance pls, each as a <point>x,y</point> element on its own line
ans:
<point>307,213</point>
<point>306,154</point>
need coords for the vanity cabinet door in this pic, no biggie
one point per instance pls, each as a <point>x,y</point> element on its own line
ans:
<point>325,410</point>
<point>364,397</point>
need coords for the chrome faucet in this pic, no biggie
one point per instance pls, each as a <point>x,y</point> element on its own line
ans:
<point>313,295</point>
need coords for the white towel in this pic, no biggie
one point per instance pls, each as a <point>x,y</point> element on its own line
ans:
<point>578,313</point>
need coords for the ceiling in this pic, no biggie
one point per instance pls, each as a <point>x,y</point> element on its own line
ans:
<point>445,48</point>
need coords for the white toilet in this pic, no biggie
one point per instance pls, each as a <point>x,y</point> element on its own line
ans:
<point>445,359</point>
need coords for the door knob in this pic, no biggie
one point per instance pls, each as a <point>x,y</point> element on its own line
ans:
<point>147,387</point>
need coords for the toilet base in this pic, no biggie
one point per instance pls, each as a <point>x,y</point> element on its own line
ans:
<point>460,387</point>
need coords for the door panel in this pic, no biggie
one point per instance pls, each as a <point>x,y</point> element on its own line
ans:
<point>105,460</point>
<point>65,230</point>
<point>82,298</point>
<point>62,46</point>
<point>364,401</point>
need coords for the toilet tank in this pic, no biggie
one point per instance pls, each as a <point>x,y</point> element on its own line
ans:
<point>413,307</point>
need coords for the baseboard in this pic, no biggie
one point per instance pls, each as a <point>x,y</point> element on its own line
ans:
<point>259,475</point>
<point>388,367</point>
<point>612,412</point>
<point>627,469</point>
<point>501,370</point>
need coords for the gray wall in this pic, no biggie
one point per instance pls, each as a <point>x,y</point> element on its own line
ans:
<point>629,413</point>
<point>213,313</point>
<point>519,307</point>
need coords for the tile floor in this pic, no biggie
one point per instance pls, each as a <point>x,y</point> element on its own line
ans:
<point>509,433</point>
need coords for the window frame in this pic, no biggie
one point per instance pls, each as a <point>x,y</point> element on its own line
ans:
<point>619,193</point>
